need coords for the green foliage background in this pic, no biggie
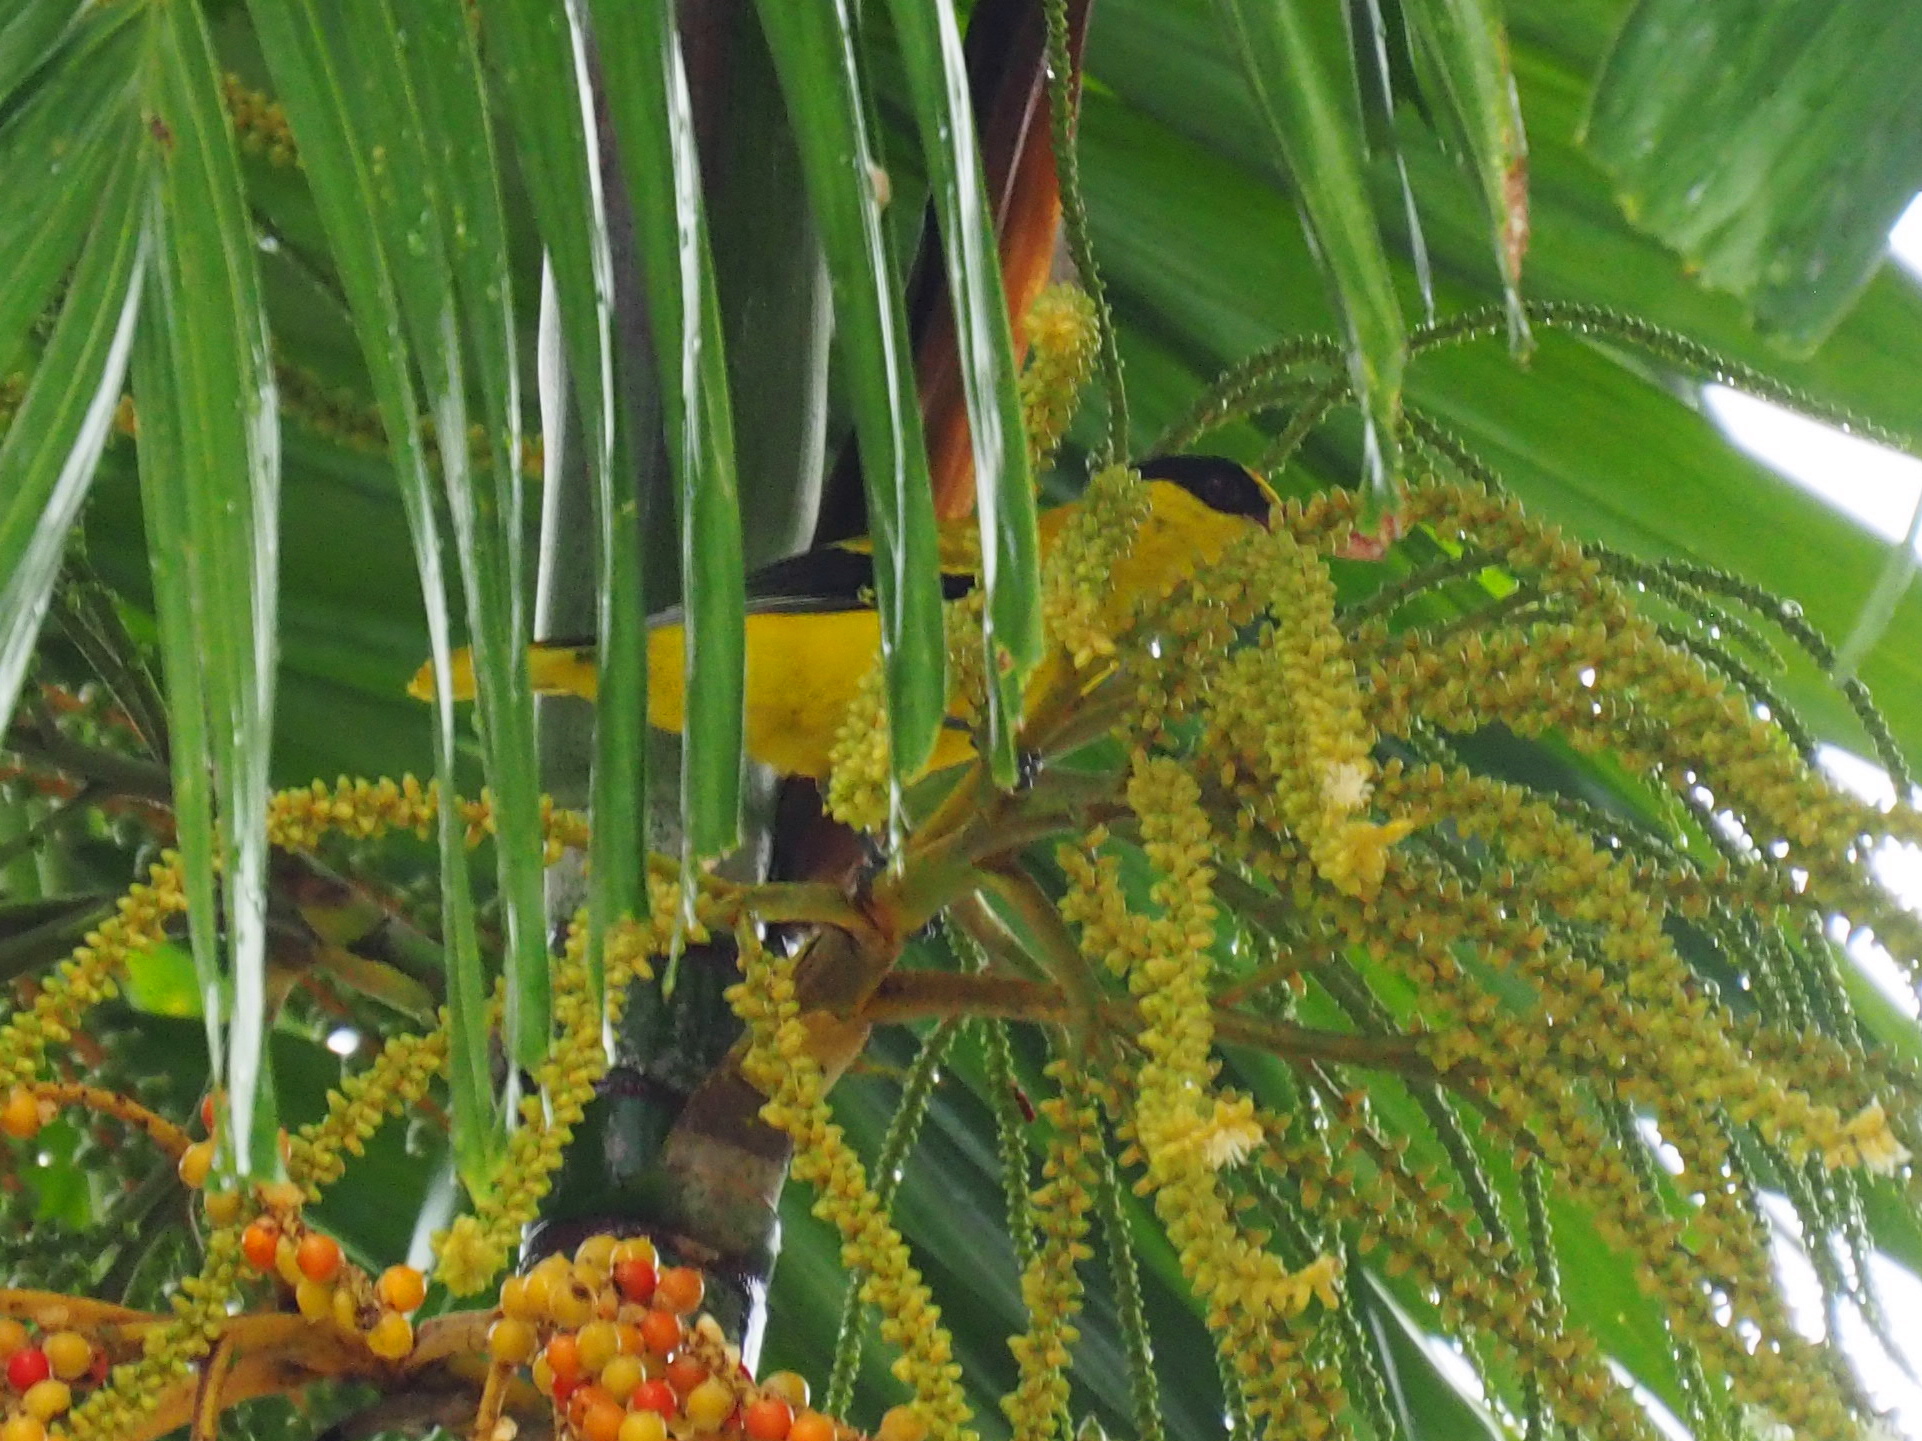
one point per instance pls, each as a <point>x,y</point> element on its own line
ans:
<point>1659,186</point>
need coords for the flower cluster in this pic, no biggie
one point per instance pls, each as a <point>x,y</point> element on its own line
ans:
<point>780,1066</point>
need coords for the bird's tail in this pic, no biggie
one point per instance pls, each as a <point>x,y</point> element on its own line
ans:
<point>556,668</point>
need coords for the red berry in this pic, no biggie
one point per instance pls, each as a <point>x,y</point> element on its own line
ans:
<point>636,1280</point>
<point>655,1396</point>
<point>28,1367</point>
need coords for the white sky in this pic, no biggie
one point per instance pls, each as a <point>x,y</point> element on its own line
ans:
<point>1881,490</point>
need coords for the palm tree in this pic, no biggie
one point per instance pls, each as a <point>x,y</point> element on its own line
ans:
<point>344,334</point>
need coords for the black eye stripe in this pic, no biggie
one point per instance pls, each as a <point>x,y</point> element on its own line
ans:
<point>1217,482</point>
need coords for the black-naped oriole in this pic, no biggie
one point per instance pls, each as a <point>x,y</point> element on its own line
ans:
<point>812,631</point>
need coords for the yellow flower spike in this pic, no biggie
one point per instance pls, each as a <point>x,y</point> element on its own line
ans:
<point>1078,599</point>
<point>1050,1287</point>
<point>861,771</point>
<point>400,1077</point>
<point>1063,340</point>
<point>87,977</point>
<point>1245,1289</point>
<point>779,1066</point>
<point>473,1250</point>
<point>134,1388</point>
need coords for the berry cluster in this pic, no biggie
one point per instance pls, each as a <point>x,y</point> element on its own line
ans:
<point>43,1367</point>
<point>617,1342</point>
<point>325,1287</point>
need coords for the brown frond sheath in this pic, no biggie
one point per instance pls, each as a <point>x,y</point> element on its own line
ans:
<point>1007,62</point>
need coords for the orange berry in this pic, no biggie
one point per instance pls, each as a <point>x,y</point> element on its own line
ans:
<point>401,1287</point>
<point>20,1117</point>
<point>392,1337</point>
<point>602,1419</point>
<point>318,1256</point>
<point>207,1104</point>
<point>637,1426</point>
<point>684,1373</point>
<point>767,1419</point>
<point>196,1163</point>
<point>260,1241</point>
<point>710,1403</point>
<point>511,1341</point>
<point>69,1354</point>
<point>661,1331</point>
<point>13,1337</point>
<point>563,1355</point>
<point>811,1426</point>
<point>901,1423</point>
<point>579,1399</point>
<point>788,1386</point>
<point>679,1289</point>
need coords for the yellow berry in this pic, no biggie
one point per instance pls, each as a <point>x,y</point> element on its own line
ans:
<point>282,1196</point>
<point>392,1337</point>
<point>600,1343</point>
<point>69,1353</point>
<point>902,1423</point>
<point>596,1253</point>
<point>196,1162</point>
<point>223,1207</point>
<point>346,1313</point>
<point>519,1300</point>
<point>287,1261</point>
<point>510,1341</point>
<point>20,1427</point>
<point>46,1399</point>
<point>570,1305</point>
<point>20,1117</point>
<point>543,1376</point>
<point>634,1248</point>
<point>315,1301</point>
<point>788,1386</point>
<point>639,1426</point>
<point>12,1336</point>
<point>709,1404</point>
<point>621,1375</point>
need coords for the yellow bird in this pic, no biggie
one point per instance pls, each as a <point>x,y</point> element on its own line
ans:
<point>812,631</point>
